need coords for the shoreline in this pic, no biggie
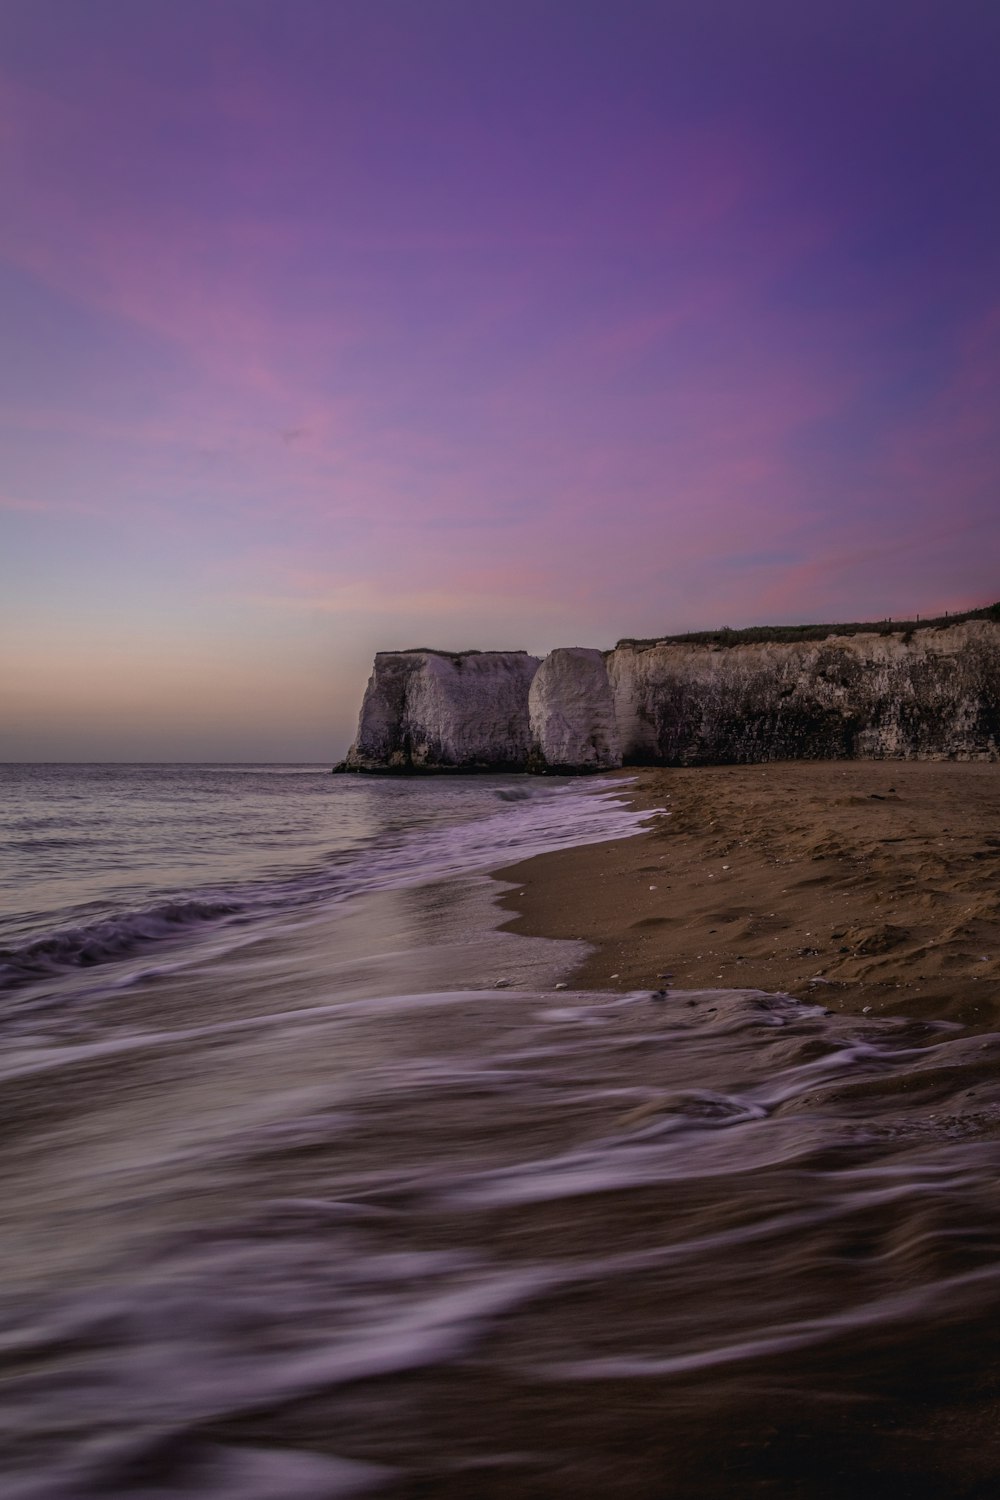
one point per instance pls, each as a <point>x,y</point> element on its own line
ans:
<point>868,886</point>
<point>512,1243</point>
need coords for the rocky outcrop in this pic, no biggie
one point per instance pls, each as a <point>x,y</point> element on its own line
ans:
<point>878,694</point>
<point>438,711</point>
<point>914,694</point>
<point>571,713</point>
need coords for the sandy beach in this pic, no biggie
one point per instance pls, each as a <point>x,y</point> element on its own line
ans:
<point>869,885</point>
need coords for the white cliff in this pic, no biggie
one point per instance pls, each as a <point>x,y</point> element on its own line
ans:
<point>571,713</point>
<point>434,710</point>
<point>931,692</point>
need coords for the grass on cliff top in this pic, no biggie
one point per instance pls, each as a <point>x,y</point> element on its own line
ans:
<point>450,655</point>
<point>784,633</point>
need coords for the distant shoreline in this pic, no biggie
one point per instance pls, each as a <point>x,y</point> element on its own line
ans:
<point>856,884</point>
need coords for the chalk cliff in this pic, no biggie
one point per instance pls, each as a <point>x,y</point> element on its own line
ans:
<point>914,694</point>
<point>434,710</point>
<point>571,713</point>
<point>877,694</point>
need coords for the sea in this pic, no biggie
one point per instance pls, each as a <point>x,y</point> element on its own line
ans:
<point>315,1182</point>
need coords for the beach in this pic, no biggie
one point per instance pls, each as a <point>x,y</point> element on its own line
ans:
<point>321,1181</point>
<point>869,886</point>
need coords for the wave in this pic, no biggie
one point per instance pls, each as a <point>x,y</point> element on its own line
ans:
<point>393,858</point>
<point>109,938</point>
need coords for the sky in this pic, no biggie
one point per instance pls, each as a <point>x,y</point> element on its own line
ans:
<point>336,326</point>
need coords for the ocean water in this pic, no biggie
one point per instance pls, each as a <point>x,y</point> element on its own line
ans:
<point>100,861</point>
<point>296,1203</point>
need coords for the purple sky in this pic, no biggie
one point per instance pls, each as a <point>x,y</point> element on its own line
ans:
<point>337,325</point>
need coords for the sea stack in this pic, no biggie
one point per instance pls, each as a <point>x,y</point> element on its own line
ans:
<point>571,713</point>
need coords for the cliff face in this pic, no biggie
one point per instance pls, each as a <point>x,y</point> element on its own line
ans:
<point>933,692</point>
<point>927,693</point>
<point>429,710</point>
<point>571,713</point>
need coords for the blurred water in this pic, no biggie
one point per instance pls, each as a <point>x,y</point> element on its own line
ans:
<point>295,1204</point>
<point>531,1244</point>
<point>101,861</point>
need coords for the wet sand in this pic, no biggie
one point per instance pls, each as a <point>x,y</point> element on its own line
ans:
<point>871,886</point>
